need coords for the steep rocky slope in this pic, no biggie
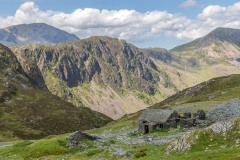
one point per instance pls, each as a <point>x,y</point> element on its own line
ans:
<point>39,33</point>
<point>117,78</point>
<point>160,54</point>
<point>27,112</point>
<point>108,75</point>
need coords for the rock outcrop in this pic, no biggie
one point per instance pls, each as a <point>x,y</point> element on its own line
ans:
<point>182,144</point>
<point>221,127</point>
<point>74,140</point>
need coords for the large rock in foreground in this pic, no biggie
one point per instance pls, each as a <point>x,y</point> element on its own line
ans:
<point>74,140</point>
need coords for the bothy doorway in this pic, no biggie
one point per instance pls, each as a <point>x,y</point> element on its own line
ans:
<point>146,129</point>
<point>161,126</point>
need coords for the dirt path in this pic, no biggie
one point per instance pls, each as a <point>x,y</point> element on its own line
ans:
<point>5,144</point>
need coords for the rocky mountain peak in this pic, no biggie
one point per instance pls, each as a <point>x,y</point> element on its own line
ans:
<point>222,34</point>
<point>218,35</point>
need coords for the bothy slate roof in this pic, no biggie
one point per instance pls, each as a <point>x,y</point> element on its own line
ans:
<point>155,115</point>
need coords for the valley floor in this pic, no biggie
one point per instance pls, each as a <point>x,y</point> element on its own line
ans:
<point>125,143</point>
<point>119,140</point>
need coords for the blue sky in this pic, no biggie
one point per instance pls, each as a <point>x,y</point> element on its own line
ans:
<point>186,19</point>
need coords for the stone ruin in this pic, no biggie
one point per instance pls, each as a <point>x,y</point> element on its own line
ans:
<point>157,119</point>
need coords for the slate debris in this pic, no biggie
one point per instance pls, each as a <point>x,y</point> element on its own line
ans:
<point>225,112</point>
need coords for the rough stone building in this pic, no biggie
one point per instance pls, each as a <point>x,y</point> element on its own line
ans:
<point>157,119</point>
<point>152,119</point>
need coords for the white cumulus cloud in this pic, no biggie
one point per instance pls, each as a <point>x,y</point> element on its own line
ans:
<point>131,25</point>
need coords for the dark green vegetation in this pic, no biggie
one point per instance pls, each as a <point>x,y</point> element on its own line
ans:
<point>27,112</point>
<point>38,33</point>
<point>217,89</point>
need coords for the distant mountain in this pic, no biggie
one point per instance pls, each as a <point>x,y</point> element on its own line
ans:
<point>108,75</point>
<point>216,36</point>
<point>27,112</point>
<point>220,45</point>
<point>35,33</point>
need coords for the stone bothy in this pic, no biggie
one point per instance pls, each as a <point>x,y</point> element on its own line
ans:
<point>157,119</point>
<point>152,119</point>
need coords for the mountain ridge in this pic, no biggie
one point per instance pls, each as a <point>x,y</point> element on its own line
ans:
<point>97,67</point>
<point>39,33</point>
<point>219,34</point>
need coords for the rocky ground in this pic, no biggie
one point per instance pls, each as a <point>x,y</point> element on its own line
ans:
<point>132,138</point>
<point>124,137</point>
<point>185,142</point>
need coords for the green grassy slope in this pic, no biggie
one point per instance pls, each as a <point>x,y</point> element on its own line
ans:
<point>217,89</point>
